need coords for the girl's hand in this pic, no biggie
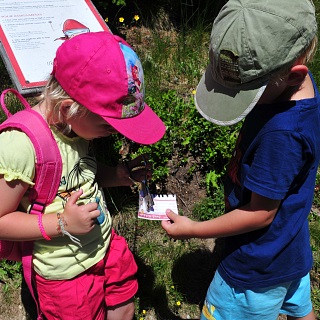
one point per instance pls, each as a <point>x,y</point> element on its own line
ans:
<point>79,219</point>
<point>178,227</point>
<point>137,169</point>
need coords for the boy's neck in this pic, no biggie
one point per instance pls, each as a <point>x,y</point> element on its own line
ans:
<point>282,92</point>
<point>305,90</point>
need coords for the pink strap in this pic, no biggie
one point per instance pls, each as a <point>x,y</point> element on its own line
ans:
<point>49,163</point>
<point>43,232</point>
<point>21,98</point>
<point>48,171</point>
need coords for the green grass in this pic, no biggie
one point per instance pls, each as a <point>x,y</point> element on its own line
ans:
<point>174,275</point>
<point>167,288</point>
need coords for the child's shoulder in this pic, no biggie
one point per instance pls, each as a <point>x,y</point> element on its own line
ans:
<point>17,156</point>
<point>13,138</point>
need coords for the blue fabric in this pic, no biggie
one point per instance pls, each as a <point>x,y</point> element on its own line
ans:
<point>277,156</point>
<point>229,303</point>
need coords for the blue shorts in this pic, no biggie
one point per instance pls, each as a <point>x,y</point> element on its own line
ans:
<point>227,303</point>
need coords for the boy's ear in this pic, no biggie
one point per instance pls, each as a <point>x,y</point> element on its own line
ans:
<point>297,75</point>
<point>65,105</point>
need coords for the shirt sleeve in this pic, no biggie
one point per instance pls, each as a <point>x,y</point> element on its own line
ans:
<point>277,161</point>
<point>17,157</point>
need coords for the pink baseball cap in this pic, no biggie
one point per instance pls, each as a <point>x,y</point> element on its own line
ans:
<point>101,72</point>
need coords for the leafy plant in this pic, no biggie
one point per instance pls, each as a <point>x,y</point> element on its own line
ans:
<point>10,274</point>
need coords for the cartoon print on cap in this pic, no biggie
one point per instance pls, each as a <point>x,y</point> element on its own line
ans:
<point>133,104</point>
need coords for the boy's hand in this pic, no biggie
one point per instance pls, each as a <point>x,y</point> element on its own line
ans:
<point>79,219</point>
<point>178,227</point>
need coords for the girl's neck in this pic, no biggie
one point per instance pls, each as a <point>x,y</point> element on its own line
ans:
<point>40,108</point>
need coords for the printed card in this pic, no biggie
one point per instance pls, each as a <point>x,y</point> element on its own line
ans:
<point>158,210</point>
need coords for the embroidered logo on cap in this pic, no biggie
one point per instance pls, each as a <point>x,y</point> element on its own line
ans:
<point>229,66</point>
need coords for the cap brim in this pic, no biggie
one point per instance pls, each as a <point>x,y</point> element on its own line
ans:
<point>145,128</point>
<point>223,105</point>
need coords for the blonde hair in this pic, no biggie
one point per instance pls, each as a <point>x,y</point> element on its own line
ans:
<point>53,96</point>
<point>304,59</point>
<point>309,53</point>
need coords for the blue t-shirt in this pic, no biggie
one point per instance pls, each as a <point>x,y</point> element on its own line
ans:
<point>276,156</point>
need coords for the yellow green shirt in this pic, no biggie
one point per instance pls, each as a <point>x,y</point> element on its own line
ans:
<point>60,258</point>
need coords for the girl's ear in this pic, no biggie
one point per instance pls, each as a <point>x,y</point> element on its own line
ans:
<point>64,106</point>
<point>297,75</point>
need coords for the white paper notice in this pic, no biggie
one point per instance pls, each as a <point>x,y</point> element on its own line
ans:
<point>29,31</point>
<point>158,211</point>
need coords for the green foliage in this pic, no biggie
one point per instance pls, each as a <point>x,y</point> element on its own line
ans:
<point>212,180</point>
<point>210,207</point>
<point>315,238</point>
<point>316,200</point>
<point>181,13</point>
<point>119,2</point>
<point>173,63</point>
<point>315,245</point>
<point>189,135</point>
<point>10,274</point>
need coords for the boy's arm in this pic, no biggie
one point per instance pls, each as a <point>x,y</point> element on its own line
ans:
<point>257,214</point>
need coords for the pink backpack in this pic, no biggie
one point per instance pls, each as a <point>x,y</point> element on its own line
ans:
<point>47,177</point>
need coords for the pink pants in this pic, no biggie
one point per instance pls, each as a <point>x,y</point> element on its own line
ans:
<point>108,283</point>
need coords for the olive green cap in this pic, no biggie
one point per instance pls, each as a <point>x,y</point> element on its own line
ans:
<point>250,41</point>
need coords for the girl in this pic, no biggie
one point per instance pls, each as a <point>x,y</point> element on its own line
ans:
<point>83,270</point>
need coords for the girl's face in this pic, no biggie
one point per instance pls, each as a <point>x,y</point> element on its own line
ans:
<point>91,126</point>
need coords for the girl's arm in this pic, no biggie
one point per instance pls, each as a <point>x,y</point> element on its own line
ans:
<point>257,214</point>
<point>108,176</point>
<point>124,174</point>
<point>18,225</point>
<point>15,224</point>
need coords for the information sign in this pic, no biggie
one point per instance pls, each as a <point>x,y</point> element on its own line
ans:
<point>32,30</point>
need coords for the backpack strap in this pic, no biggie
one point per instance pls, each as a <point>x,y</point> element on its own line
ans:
<point>48,169</point>
<point>49,164</point>
<point>18,95</point>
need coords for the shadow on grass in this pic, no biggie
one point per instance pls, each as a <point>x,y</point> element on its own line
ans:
<point>191,273</point>
<point>150,296</point>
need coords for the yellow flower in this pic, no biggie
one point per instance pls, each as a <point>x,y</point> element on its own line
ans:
<point>141,318</point>
<point>172,287</point>
<point>121,19</point>
<point>194,91</point>
<point>106,19</point>
<point>144,311</point>
<point>178,303</point>
<point>136,17</point>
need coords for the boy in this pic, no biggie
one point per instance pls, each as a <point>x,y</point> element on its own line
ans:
<point>258,56</point>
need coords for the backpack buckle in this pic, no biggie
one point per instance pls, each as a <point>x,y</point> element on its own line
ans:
<point>37,207</point>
